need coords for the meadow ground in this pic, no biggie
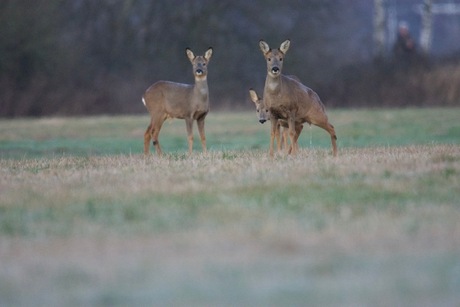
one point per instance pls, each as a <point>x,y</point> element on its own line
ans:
<point>87,220</point>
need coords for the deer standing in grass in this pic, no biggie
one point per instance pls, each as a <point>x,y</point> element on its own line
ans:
<point>290,100</point>
<point>165,99</point>
<point>263,114</point>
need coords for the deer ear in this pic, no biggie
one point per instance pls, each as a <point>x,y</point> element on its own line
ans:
<point>190,54</point>
<point>254,96</point>
<point>208,54</point>
<point>285,46</point>
<point>264,46</point>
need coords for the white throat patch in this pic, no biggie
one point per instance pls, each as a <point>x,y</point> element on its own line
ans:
<point>204,91</point>
<point>272,86</point>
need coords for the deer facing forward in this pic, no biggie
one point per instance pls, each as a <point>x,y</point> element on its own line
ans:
<point>263,114</point>
<point>288,99</point>
<point>165,99</point>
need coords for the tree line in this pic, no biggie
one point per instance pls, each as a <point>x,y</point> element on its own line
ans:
<point>75,57</point>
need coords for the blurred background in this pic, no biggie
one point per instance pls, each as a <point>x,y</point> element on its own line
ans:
<point>81,57</point>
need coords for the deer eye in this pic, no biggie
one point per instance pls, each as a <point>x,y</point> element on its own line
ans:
<point>257,111</point>
<point>269,59</point>
<point>281,59</point>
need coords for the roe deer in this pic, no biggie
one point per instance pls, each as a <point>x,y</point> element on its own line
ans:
<point>165,99</point>
<point>263,114</point>
<point>290,100</point>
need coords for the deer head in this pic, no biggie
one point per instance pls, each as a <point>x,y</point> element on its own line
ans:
<point>200,70</point>
<point>263,114</point>
<point>274,57</point>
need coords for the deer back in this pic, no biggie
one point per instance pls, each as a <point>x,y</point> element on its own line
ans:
<point>294,96</point>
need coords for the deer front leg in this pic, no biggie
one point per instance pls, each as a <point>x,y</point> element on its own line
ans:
<point>279,137</point>
<point>284,138</point>
<point>200,123</point>
<point>274,122</point>
<point>189,125</point>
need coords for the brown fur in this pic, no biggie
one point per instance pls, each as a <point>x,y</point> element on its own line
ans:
<point>165,99</point>
<point>290,100</point>
<point>263,114</point>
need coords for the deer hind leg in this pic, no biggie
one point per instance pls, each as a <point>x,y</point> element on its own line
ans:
<point>156,143</point>
<point>147,138</point>
<point>155,124</point>
<point>200,123</point>
<point>298,130</point>
<point>292,136</point>
<point>333,140</point>
<point>329,128</point>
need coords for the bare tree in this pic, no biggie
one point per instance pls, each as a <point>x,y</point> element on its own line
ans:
<point>379,29</point>
<point>427,26</point>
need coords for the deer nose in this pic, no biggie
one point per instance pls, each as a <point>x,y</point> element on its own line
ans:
<point>275,70</point>
<point>199,71</point>
<point>262,121</point>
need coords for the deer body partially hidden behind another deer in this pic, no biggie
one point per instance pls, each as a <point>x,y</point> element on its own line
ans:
<point>288,99</point>
<point>165,99</point>
<point>263,114</point>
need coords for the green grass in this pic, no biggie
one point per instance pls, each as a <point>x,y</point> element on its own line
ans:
<point>87,220</point>
<point>225,132</point>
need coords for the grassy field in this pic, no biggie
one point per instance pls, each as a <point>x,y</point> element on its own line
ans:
<point>87,220</point>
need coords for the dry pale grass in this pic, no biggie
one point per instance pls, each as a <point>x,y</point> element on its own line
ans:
<point>374,226</point>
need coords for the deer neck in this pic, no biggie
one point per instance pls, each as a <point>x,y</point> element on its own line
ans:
<point>273,84</point>
<point>200,89</point>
